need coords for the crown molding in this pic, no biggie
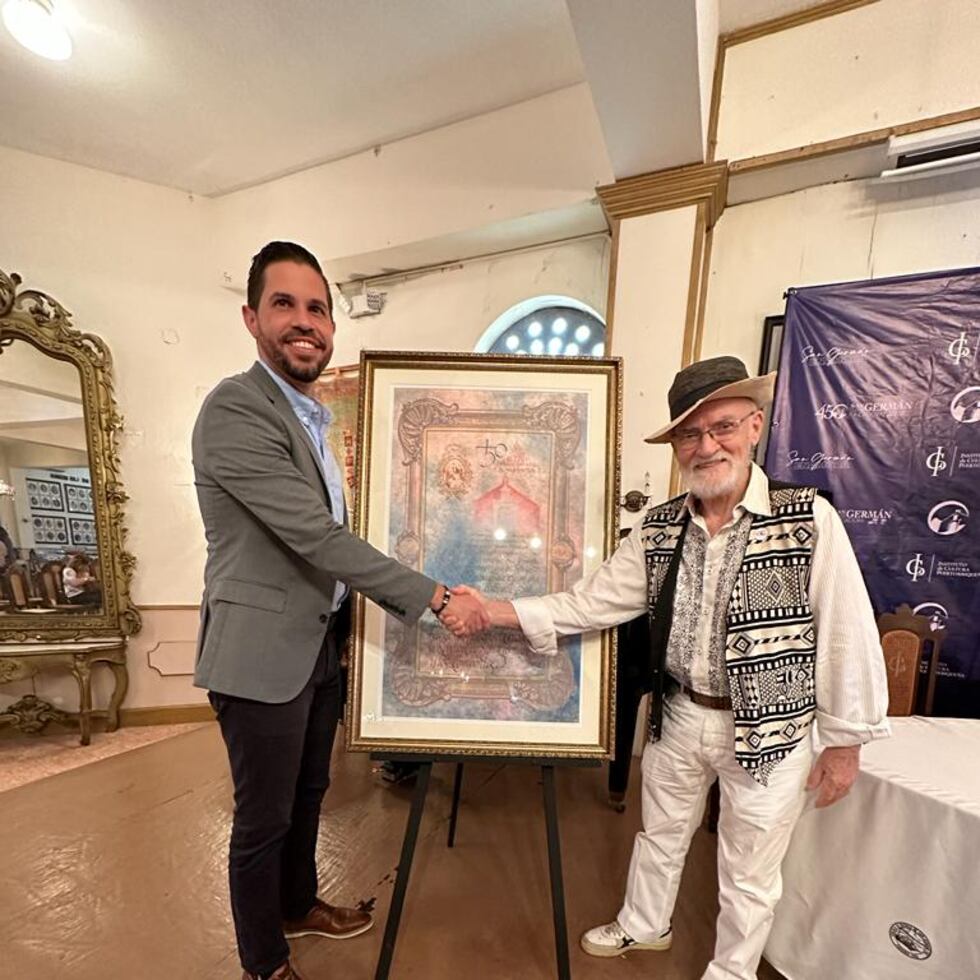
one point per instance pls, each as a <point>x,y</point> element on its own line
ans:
<point>853,142</point>
<point>788,21</point>
<point>663,190</point>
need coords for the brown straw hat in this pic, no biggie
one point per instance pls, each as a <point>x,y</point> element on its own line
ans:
<point>707,381</point>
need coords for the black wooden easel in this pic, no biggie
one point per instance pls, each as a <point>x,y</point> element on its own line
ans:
<point>425,763</point>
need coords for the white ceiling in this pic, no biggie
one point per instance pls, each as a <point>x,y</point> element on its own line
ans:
<point>213,96</point>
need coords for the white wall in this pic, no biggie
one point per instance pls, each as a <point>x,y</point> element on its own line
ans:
<point>883,64</point>
<point>450,310</point>
<point>543,154</point>
<point>833,233</point>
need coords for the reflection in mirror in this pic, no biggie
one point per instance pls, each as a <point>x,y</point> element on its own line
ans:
<point>49,556</point>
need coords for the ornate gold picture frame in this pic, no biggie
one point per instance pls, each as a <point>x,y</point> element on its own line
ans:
<point>498,471</point>
<point>33,317</point>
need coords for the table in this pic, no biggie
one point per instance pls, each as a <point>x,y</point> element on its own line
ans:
<point>19,661</point>
<point>883,885</point>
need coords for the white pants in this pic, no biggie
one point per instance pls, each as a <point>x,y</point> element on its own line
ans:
<point>753,833</point>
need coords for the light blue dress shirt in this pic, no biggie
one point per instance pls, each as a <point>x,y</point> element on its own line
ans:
<point>315,418</point>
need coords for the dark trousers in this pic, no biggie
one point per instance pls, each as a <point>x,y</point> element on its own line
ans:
<point>633,642</point>
<point>280,767</point>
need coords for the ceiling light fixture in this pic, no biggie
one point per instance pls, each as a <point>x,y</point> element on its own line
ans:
<point>35,24</point>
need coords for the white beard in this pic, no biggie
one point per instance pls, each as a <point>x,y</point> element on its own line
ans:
<point>714,482</point>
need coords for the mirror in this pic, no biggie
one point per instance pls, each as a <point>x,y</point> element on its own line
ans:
<point>63,571</point>
<point>48,546</point>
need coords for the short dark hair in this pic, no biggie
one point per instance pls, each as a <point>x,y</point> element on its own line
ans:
<point>280,252</point>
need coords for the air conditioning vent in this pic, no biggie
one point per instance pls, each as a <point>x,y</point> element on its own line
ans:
<point>941,153</point>
<point>944,150</point>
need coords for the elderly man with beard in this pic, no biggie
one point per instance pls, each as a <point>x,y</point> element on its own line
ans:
<point>761,626</point>
<point>275,612</point>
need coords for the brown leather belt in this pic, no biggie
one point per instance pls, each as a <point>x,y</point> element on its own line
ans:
<point>707,700</point>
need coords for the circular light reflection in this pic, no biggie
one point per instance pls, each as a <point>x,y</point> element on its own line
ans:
<point>590,552</point>
<point>582,333</point>
<point>599,350</point>
<point>555,345</point>
<point>535,543</point>
<point>500,534</point>
<point>571,350</point>
<point>37,28</point>
<point>558,325</point>
<point>537,346</point>
<point>512,342</point>
<point>534,329</point>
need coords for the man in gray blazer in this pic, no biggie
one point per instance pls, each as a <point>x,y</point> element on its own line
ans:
<point>275,611</point>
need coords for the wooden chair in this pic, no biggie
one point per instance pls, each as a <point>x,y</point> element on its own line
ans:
<point>56,569</point>
<point>53,593</point>
<point>16,583</point>
<point>907,640</point>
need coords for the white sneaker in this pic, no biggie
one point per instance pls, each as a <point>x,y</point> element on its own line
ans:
<point>611,940</point>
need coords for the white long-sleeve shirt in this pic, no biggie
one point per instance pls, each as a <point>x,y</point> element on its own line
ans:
<point>851,685</point>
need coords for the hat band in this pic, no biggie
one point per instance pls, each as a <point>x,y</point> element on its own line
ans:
<point>693,397</point>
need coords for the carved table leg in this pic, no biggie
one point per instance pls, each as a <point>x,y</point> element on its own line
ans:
<point>83,675</point>
<point>121,676</point>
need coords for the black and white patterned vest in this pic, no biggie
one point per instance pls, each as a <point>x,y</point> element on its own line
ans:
<point>770,651</point>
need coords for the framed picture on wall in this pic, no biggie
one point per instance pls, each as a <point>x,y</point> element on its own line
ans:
<point>337,389</point>
<point>772,346</point>
<point>498,471</point>
<point>772,343</point>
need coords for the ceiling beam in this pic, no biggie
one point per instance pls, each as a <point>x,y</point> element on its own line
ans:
<point>649,64</point>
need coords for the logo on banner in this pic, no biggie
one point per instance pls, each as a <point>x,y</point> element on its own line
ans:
<point>910,940</point>
<point>948,517</point>
<point>818,461</point>
<point>843,410</point>
<point>959,349</point>
<point>831,411</point>
<point>915,567</point>
<point>831,356</point>
<point>965,407</point>
<point>938,615</point>
<point>936,461</point>
<point>856,515</point>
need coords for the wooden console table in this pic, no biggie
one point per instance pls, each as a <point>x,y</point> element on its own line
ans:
<point>20,661</point>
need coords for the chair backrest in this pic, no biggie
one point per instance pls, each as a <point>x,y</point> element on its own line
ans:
<point>17,587</point>
<point>907,638</point>
<point>56,571</point>
<point>49,587</point>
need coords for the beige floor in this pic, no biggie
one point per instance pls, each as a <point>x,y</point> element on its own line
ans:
<point>117,869</point>
<point>26,758</point>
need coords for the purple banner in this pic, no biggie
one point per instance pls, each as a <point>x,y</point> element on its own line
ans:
<point>878,401</point>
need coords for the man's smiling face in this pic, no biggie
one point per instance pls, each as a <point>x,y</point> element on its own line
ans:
<point>292,326</point>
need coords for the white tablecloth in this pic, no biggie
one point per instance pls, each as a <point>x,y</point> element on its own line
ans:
<point>895,864</point>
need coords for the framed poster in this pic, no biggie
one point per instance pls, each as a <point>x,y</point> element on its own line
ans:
<point>498,471</point>
<point>773,328</point>
<point>337,389</point>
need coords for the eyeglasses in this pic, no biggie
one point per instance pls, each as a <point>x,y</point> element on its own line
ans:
<point>721,432</point>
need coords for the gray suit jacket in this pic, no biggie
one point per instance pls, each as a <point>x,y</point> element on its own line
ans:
<point>275,551</point>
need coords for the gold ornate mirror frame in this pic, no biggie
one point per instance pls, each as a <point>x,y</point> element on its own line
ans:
<point>31,315</point>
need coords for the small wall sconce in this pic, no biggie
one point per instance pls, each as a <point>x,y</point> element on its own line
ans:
<point>636,500</point>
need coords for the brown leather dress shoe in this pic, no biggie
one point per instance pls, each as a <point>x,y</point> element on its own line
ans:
<point>332,921</point>
<point>285,972</point>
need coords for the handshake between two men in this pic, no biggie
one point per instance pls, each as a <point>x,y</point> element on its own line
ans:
<point>467,611</point>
